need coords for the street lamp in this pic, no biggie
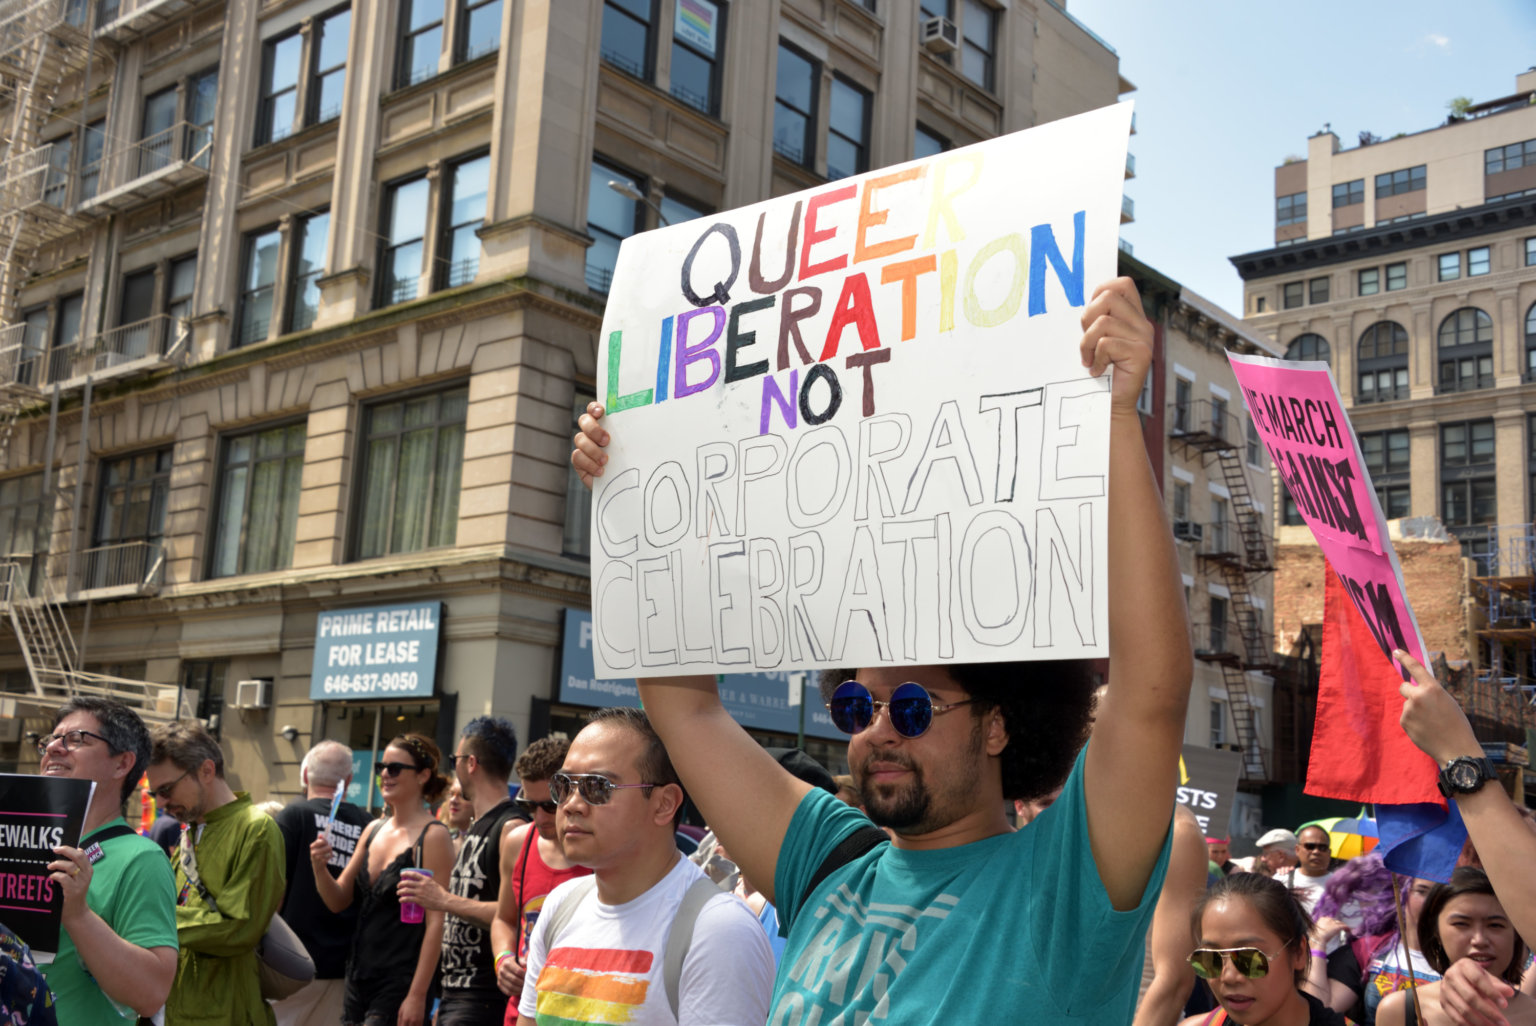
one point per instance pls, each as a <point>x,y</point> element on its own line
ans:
<point>626,189</point>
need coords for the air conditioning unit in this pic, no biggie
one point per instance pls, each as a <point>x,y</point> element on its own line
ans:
<point>253,694</point>
<point>1187,530</point>
<point>939,35</point>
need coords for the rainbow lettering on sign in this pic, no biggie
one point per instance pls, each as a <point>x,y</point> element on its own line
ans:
<point>592,986</point>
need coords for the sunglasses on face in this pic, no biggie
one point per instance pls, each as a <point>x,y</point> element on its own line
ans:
<point>911,709</point>
<point>394,769</point>
<point>528,804</point>
<point>594,788</point>
<point>1315,846</point>
<point>1249,962</point>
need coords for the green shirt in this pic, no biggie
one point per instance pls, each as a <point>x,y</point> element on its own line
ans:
<point>132,890</point>
<point>240,860</point>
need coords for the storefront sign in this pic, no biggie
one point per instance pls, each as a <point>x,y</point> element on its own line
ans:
<point>376,652</point>
<point>759,701</point>
<point>1207,783</point>
<point>36,814</point>
<point>851,426</point>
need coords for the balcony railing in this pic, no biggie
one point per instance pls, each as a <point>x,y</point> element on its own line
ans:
<point>129,347</point>
<point>123,20</point>
<point>20,364</point>
<point>130,568</point>
<point>1220,642</point>
<point>155,165</point>
<point>1127,210</point>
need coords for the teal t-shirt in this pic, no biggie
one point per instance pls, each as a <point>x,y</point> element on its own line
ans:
<point>134,891</point>
<point>1015,928</point>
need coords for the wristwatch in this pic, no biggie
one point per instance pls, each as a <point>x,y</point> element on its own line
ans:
<point>1466,775</point>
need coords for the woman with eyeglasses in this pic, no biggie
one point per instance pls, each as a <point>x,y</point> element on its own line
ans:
<point>393,959</point>
<point>1462,919</point>
<point>1252,938</point>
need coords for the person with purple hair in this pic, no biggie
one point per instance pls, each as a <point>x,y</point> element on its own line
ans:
<point>1358,906</point>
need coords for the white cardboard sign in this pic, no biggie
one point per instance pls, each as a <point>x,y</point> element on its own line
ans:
<point>851,426</point>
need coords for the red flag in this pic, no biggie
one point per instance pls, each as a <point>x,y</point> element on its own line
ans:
<point>1360,752</point>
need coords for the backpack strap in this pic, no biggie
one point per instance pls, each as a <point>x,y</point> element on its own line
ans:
<point>860,842</point>
<point>680,937</point>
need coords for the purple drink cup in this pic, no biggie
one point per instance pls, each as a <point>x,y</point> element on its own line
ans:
<point>410,912</point>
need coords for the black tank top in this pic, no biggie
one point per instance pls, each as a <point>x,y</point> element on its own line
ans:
<point>382,946</point>
<point>468,964</point>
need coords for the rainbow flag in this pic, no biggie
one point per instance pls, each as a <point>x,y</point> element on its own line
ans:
<point>592,986</point>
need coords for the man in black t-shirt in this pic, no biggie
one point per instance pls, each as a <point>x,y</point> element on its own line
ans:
<point>467,970</point>
<point>327,769</point>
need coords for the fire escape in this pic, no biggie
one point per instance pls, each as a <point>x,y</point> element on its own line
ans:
<point>1504,591</point>
<point>48,53</point>
<point>1237,548</point>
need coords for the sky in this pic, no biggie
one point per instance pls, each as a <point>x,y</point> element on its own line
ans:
<point>1227,89</point>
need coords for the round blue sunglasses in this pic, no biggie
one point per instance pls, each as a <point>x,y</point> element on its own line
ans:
<point>911,709</point>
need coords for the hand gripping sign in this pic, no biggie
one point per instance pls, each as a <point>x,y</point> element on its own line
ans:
<point>851,426</point>
<point>1296,407</point>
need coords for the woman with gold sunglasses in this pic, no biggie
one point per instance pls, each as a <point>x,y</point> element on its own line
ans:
<point>1253,950</point>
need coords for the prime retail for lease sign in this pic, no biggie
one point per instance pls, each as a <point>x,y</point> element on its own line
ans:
<point>851,426</point>
<point>376,652</point>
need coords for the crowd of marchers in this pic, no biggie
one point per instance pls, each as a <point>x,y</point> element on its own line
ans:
<point>1005,849</point>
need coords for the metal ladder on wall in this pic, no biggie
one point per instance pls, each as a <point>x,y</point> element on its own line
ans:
<point>1256,647</point>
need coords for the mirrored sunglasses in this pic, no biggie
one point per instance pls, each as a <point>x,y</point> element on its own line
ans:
<point>594,788</point>
<point>1249,962</point>
<point>911,709</point>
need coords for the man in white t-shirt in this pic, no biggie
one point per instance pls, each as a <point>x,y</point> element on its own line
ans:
<point>605,959</point>
<point>1314,867</point>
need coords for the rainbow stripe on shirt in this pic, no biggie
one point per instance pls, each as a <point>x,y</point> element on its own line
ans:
<point>592,986</point>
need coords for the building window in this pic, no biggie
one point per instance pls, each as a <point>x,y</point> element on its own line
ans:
<point>1260,304</point>
<point>479,29</point>
<point>421,41</point>
<point>847,130</point>
<point>258,501</point>
<point>1290,515</point>
<point>1383,357</point>
<point>1255,447</point>
<point>1294,296</point>
<point>1530,252</point>
<point>258,285</point>
<point>1218,609</point>
<point>26,524</point>
<point>698,32</point>
<point>404,240</point>
<point>1183,404</point>
<point>1468,493</point>
<point>1370,281</point>
<point>1397,277</point>
<point>1394,183</point>
<point>578,497</point>
<point>1385,452</point>
<point>1291,209</point>
<point>794,106</point>
<point>1530,357</point>
<point>157,133</point>
<point>1507,158</point>
<point>1317,290</point>
<point>1478,262</point>
<point>1349,193</point>
<point>56,182</point>
<point>978,32</point>
<point>309,239</point>
<point>1180,500</point>
<point>1466,351</point>
<point>675,210</point>
<point>627,35</point>
<point>328,67</point>
<point>130,519</point>
<point>183,281</point>
<point>926,143</point>
<point>93,137</point>
<point>1449,266</point>
<point>280,62</point>
<point>64,349</point>
<point>929,9</point>
<point>206,680</point>
<point>412,455</point>
<point>23,367</point>
<point>611,218</point>
<point>1395,500</point>
<point>458,252</point>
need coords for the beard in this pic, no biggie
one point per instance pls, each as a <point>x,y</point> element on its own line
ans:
<point>898,806</point>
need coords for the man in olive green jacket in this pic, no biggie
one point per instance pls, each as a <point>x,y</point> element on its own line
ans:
<point>229,881</point>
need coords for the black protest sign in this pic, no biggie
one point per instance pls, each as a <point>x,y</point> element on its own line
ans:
<point>1207,782</point>
<point>36,815</point>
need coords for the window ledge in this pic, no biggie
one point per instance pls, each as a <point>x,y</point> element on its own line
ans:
<point>676,105</point>
<point>427,85</point>
<point>309,133</point>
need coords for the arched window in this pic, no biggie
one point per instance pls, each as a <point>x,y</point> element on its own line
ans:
<point>1530,343</point>
<point>1309,347</point>
<point>1466,351</point>
<point>1383,358</point>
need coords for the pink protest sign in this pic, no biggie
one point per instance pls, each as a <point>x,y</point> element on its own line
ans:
<point>1301,420</point>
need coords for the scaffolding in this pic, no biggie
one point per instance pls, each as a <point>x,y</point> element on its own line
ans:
<point>1501,699</point>
<point>1239,549</point>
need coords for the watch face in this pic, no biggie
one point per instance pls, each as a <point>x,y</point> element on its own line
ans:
<point>1464,775</point>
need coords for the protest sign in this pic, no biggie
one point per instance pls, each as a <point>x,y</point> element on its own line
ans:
<point>37,814</point>
<point>1207,782</point>
<point>1296,407</point>
<point>851,426</point>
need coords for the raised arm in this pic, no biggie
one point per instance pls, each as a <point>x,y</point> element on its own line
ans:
<point>1172,938</point>
<point>1133,755</point>
<point>336,891</point>
<point>746,797</point>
